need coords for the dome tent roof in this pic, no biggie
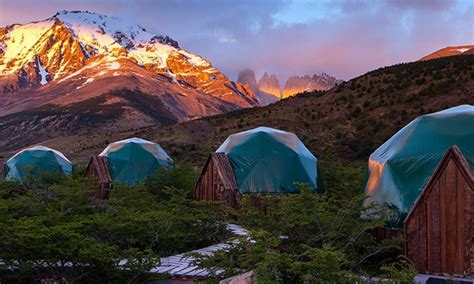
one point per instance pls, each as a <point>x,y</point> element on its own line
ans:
<point>399,169</point>
<point>131,160</point>
<point>270,161</point>
<point>34,161</point>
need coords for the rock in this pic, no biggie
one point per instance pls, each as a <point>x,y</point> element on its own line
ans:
<point>270,85</point>
<point>299,84</point>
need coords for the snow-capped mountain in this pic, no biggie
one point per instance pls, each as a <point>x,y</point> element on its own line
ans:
<point>77,49</point>
<point>450,51</point>
<point>84,72</point>
<point>299,84</point>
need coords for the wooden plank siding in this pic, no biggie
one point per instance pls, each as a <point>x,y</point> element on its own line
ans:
<point>439,230</point>
<point>98,168</point>
<point>217,181</point>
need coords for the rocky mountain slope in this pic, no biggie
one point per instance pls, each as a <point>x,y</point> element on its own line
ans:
<point>247,76</point>
<point>450,51</point>
<point>264,90</point>
<point>299,84</point>
<point>343,125</point>
<point>270,85</point>
<point>82,66</point>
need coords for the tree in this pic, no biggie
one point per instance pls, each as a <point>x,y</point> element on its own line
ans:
<point>52,228</point>
<point>307,237</point>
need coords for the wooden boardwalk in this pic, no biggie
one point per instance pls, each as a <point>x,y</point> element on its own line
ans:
<point>181,265</point>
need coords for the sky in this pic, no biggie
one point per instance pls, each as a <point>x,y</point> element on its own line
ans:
<point>344,38</point>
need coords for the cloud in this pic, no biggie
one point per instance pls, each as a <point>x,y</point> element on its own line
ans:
<point>433,5</point>
<point>343,37</point>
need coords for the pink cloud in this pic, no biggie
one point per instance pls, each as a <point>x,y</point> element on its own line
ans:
<point>347,38</point>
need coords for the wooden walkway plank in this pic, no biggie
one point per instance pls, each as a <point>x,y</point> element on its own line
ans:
<point>181,265</point>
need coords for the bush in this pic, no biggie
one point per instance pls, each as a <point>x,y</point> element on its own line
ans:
<point>305,237</point>
<point>178,176</point>
<point>356,111</point>
<point>57,231</point>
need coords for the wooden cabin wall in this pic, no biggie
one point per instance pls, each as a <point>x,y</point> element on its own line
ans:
<point>440,230</point>
<point>211,186</point>
<point>209,180</point>
<point>469,230</point>
<point>98,168</point>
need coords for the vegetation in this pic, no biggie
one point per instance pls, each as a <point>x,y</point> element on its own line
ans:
<point>51,228</point>
<point>314,238</point>
<point>344,124</point>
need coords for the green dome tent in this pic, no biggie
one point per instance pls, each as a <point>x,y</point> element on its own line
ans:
<point>131,160</point>
<point>270,161</point>
<point>399,169</point>
<point>35,161</point>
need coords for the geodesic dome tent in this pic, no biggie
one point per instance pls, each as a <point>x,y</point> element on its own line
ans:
<point>131,160</point>
<point>35,161</point>
<point>400,168</point>
<point>270,161</point>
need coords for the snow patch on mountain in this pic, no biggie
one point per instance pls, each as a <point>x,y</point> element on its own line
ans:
<point>42,72</point>
<point>152,54</point>
<point>86,52</point>
<point>89,66</point>
<point>100,30</point>
<point>96,34</point>
<point>88,81</point>
<point>114,65</point>
<point>173,76</point>
<point>20,40</point>
<point>462,50</point>
<point>105,34</point>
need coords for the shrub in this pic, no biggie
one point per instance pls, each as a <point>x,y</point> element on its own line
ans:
<point>304,237</point>
<point>356,111</point>
<point>56,230</point>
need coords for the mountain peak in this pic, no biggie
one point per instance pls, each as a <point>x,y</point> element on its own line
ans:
<point>76,56</point>
<point>450,51</point>
<point>247,76</point>
<point>270,84</point>
<point>265,97</point>
<point>65,12</point>
<point>98,26</point>
<point>299,84</point>
<point>94,34</point>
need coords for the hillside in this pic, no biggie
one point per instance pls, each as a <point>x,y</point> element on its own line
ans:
<point>450,51</point>
<point>343,125</point>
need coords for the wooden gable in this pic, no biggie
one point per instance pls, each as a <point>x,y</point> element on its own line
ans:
<point>98,168</point>
<point>217,181</point>
<point>439,229</point>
